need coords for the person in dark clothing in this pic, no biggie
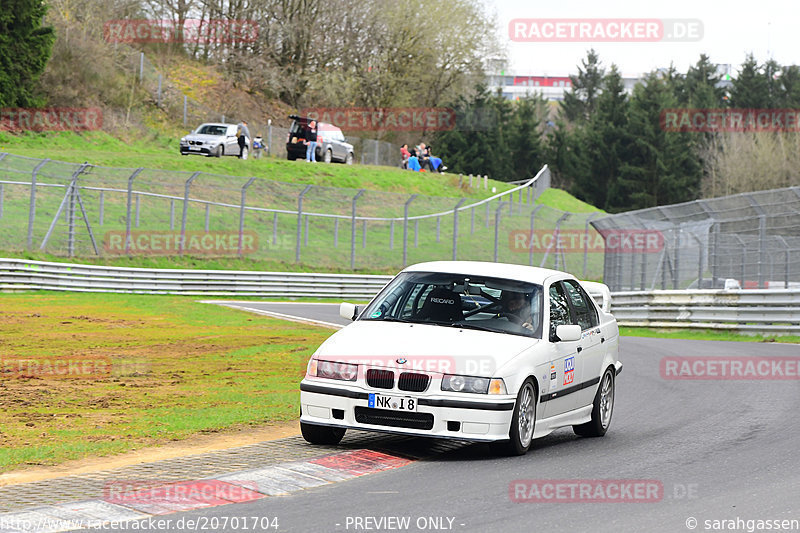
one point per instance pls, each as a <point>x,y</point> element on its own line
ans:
<point>311,142</point>
<point>243,137</point>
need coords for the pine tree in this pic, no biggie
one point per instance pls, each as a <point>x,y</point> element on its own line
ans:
<point>579,103</point>
<point>750,88</point>
<point>525,142</point>
<point>700,85</point>
<point>660,167</point>
<point>606,141</point>
<point>25,47</point>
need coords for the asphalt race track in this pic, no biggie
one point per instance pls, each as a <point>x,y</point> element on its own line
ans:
<point>721,449</point>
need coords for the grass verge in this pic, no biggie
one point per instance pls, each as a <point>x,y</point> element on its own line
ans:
<point>705,335</point>
<point>177,368</point>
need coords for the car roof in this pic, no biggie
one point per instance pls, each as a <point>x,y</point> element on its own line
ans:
<point>215,124</point>
<point>496,270</point>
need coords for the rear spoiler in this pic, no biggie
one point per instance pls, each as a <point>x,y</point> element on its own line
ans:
<point>600,292</point>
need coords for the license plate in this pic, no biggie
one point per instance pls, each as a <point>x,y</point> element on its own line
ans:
<point>195,148</point>
<point>394,403</point>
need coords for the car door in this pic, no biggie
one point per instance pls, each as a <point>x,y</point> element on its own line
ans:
<point>559,389</point>
<point>231,141</point>
<point>591,347</point>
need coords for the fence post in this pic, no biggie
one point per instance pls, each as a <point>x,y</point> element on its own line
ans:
<point>676,272</point>
<point>585,241</point>
<point>102,205</point>
<point>364,234</point>
<point>141,67</point>
<point>69,199</point>
<point>128,216</point>
<point>438,225</point>
<point>300,222</point>
<point>391,234</point>
<point>530,237</point>
<point>208,216</point>
<point>305,231</point>
<point>455,226</point>
<point>558,245</point>
<point>138,197</point>
<point>700,264</point>
<point>714,255</point>
<point>241,212</point>
<point>2,190</point>
<point>485,182</point>
<point>470,181</point>
<point>186,188</point>
<point>275,228</point>
<point>32,204</point>
<point>497,215</point>
<point>353,230</point>
<point>405,228</point>
<point>172,214</point>
<point>762,249</point>
<point>472,221</point>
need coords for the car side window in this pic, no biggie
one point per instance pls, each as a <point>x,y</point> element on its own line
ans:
<point>559,308</point>
<point>585,313</point>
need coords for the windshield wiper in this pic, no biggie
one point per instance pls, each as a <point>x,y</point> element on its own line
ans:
<point>467,325</point>
<point>390,319</point>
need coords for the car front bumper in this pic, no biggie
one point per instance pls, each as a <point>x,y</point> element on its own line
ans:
<point>475,417</point>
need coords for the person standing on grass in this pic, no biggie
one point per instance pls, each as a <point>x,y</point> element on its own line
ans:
<point>311,142</point>
<point>243,137</point>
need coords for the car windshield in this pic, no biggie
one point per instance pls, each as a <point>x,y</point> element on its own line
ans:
<point>211,129</point>
<point>459,300</point>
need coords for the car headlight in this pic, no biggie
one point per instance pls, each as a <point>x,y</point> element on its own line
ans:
<point>332,370</point>
<point>473,385</point>
<point>183,140</point>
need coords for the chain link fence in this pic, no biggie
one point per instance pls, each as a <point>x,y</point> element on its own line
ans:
<point>751,239</point>
<point>74,210</point>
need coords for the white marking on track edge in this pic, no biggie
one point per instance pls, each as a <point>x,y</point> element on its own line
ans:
<point>283,316</point>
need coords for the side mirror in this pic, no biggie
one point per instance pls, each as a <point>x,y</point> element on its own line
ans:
<point>350,311</point>
<point>568,333</point>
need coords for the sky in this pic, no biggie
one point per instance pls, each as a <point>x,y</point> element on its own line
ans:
<point>730,31</point>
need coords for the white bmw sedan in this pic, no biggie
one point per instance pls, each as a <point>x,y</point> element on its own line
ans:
<point>474,351</point>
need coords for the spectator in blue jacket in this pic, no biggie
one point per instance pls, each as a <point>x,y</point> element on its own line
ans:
<point>413,162</point>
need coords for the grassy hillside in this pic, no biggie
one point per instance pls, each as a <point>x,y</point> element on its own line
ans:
<point>161,152</point>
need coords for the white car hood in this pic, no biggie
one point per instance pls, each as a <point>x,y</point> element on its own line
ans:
<point>438,349</point>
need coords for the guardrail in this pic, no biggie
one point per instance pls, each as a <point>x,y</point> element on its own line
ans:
<point>22,275</point>
<point>764,311</point>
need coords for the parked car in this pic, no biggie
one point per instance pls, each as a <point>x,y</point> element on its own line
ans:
<point>331,143</point>
<point>213,139</point>
<point>473,351</point>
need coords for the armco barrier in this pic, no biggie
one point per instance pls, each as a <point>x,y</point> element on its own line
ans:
<point>767,311</point>
<point>21,275</point>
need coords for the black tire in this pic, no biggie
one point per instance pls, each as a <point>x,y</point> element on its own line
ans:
<point>219,151</point>
<point>603,408</point>
<point>517,445</point>
<point>349,159</point>
<point>315,434</point>
<point>328,156</point>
